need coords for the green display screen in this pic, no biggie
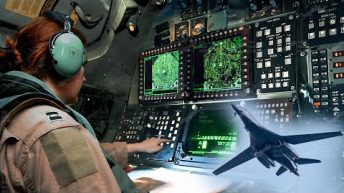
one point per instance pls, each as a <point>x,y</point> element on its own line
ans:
<point>217,65</point>
<point>161,73</point>
<point>211,134</point>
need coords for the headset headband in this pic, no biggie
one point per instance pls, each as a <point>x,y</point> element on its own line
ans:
<point>58,17</point>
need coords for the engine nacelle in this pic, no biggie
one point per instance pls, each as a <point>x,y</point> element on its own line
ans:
<point>287,151</point>
<point>265,160</point>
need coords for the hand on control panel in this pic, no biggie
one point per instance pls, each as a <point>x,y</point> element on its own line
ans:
<point>151,145</point>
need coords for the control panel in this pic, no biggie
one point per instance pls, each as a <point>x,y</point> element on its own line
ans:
<point>164,122</point>
<point>282,60</point>
<point>325,25</point>
<point>327,79</point>
<point>320,79</point>
<point>274,113</point>
<point>274,54</point>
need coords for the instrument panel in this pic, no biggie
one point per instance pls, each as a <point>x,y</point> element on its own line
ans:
<point>274,54</point>
<point>282,60</point>
<point>160,122</point>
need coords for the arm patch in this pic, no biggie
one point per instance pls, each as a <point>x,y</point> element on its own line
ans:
<point>68,154</point>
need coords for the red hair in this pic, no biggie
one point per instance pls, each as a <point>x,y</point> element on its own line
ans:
<point>29,48</point>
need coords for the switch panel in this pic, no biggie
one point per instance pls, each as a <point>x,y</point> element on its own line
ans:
<point>274,58</point>
<point>141,123</point>
<point>325,25</point>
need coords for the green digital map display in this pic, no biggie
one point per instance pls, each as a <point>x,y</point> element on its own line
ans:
<point>211,134</point>
<point>217,65</point>
<point>161,73</point>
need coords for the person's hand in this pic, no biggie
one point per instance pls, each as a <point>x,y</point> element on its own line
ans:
<point>151,145</point>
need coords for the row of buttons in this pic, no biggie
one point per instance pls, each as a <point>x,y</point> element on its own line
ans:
<point>267,64</point>
<point>322,74</point>
<point>230,94</point>
<point>170,134</point>
<point>322,23</point>
<point>159,97</point>
<point>268,112</point>
<point>271,51</point>
<point>268,31</point>
<point>323,97</point>
<point>320,59</point>
<point>285,74</point>
<point>321,67</point>
<point>164,118</point>
<point>318,2</point>
<point>273,112</point>
<point>276,119</point>
<point>131,132</point>
<point>322,33</point>
<point>281,119</point>
<point>149,125</point>
<point>271,42</point>
<point>165,127</point>
<point>131,137</point>
<point>151,117</point>
<point>317,82</point>
<point>323,89</point>
<point>273,105</point>
<point>276,85</point>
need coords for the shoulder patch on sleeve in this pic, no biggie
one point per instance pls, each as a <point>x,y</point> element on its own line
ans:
<point>68,154</point>
<point>53,116</point>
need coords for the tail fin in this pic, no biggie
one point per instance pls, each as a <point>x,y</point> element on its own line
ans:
<point>306,161</point>
<point>281,170</point>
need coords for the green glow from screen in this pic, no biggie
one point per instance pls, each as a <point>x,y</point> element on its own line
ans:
<point>212,134</point>
<point>161,73</point>
<point>221,65</point>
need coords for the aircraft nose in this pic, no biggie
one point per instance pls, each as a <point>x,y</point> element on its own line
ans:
<point>236,109</point>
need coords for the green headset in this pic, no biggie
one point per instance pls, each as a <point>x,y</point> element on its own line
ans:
<point>65,48</point>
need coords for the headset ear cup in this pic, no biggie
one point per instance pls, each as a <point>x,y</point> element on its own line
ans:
<point>68,53</point>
